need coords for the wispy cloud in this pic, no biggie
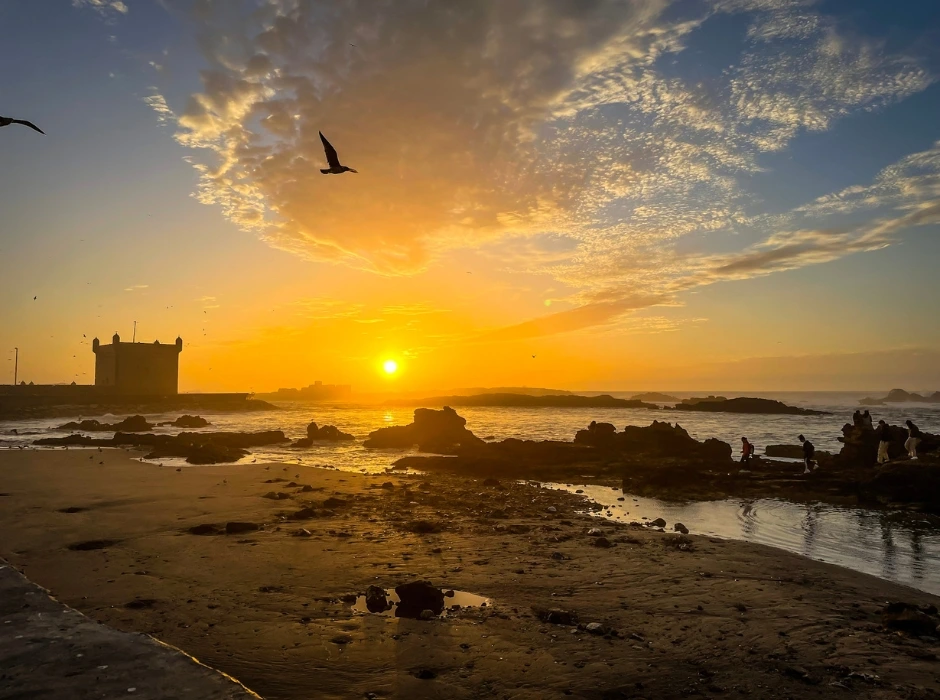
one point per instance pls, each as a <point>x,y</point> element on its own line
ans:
<point>136,287</point>
<point>103,7</point>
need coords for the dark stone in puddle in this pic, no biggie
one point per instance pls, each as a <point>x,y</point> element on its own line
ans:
<point>679,527</point>
<point>236,528</point>
<point>376,599</point>
<point>416,596</point>
<point>89,545</point>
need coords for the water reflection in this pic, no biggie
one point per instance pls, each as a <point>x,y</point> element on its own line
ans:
<point>904,548</point>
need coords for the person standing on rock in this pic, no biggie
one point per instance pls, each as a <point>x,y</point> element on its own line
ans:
<point>884,441</point>
<point>913,439</point>
<point>809,452</point>
<point>866,420</point>
<point>747,449</point>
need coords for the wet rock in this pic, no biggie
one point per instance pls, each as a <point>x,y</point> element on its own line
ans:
<point>188,422</point>
<point>237,528</point>
<point>679,527</point>
<point>491,482</point>
<point>801,674</point>
<point>416,596</point>
<point>441,431</point>
<point>304,514</point>
<point>306,488</point>
<point>659,522</point>
<point>450,593</point>
<point>907,482</point>
<point>388,486</point>
<point>327,433</point>
<point>596,628</point>
<point>425,674</point>
<point>333,502</point>
<point>205,529</point>
<point>301,532</point>
<point>595,532</point>
<point>602,542</point>
<point>376,599</point>
<point>342,639</point>
<point>556,616</point>
<point>427,615</point>
<point>276,496</point>
<point>140,604</point>
<point>133,424</point>
<point>910,618</point>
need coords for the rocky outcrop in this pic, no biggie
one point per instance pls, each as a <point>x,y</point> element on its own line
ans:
<point>326,433</point>
<point>790,452</point>
<point>133,424</point>
<point>908,483</point>
<point>443,432</point>
<point>532,401</point>
<point>901,396</point>
<point>655,397</point>
<point>196,448</point>
<point>659,439</point>
<point>745,404</point>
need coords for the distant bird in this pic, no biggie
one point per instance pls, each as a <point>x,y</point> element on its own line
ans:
<point>533,357</point>
<point>34,298</point>
<point>6,121</point>
<point>333,159</point>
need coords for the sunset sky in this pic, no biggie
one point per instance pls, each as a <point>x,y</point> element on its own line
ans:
<point>579,194</point>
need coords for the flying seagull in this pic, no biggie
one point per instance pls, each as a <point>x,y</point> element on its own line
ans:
<point>6,121</point>
<point>333,159</point>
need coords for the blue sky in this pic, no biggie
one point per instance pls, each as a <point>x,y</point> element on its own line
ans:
<point>748,178</point>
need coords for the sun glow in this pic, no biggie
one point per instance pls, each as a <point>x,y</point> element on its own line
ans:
<point>390,366</point>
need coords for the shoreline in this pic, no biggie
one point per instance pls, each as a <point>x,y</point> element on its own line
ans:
<point>683,614</point>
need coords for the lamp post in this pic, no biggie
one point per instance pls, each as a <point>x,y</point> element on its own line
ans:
<point>16,365</point>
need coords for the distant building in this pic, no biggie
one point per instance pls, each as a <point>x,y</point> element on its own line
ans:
<point>137,369</point>
<point>318,391</point>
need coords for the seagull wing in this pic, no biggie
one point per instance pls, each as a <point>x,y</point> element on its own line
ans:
<point>331,156</point>
<point>29,124</point>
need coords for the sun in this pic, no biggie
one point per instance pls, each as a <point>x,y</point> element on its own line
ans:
<point>390,366</point>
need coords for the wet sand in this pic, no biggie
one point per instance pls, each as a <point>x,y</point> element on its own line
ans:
<point>690,615</point>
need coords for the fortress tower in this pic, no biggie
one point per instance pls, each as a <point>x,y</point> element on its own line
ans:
<point>137,369</point>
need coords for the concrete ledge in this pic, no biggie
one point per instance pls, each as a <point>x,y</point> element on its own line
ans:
<point>49,650</point>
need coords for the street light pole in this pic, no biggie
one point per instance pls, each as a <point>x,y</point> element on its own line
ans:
<point>16,365</point>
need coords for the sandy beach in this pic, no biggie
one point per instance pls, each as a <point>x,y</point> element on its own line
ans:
<point>679,616</point>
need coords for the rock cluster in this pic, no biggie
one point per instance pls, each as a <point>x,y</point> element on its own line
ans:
<point>745,404</point>
<point>443,432</point>
<point>326,433</point>
<point>660,439</point>
<point>195,448</point>
<point>133,424</point>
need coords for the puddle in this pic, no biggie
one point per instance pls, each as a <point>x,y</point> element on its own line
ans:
<point>452,603</point>
<point>899,547</point>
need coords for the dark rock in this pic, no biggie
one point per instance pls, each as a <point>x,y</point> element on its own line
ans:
<point>909,482</point>
<point>441,431</point>
<point>376,599</point>
<point>276,496</point>
<point>425,674</point>
<point>388,486</point>
<point>679,527</point>
<point>332,502</point>
<point>89,545</point>
<point>188,422</point>
<point>301,532</point>
<point>304,514</point>
<point>417,596</point>
<point>602,542</point>
<point>423,527</point>
<point>555,616</point>
<point>205,529</point>
<point>659,522</point>
<point>491,482</point>
<point>237,528</point>
<point>745,405</point>
<point>306,488</point>
<point>909,618</point>
<point>790,452</point>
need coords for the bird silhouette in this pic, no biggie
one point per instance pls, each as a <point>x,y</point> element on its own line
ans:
<point>34,298</point>
<point>333,159</point>
<point>6,121</point>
